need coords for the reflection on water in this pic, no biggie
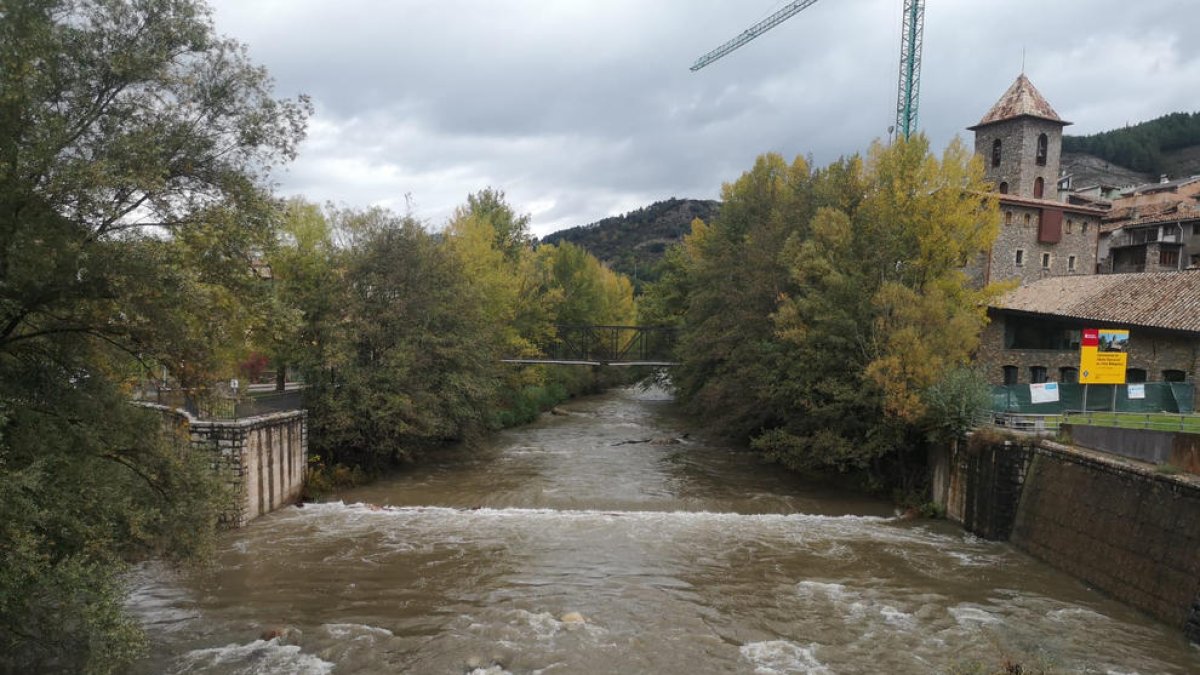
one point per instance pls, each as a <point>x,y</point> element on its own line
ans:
<point>679,556</point>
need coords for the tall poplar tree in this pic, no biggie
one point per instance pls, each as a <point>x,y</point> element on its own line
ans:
<point>134,146</point>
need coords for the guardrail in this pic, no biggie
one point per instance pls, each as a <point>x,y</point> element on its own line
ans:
<point>210,405</point>
<point>1027,422</point>
<point>1031,422</point>
<point>1132,420</point>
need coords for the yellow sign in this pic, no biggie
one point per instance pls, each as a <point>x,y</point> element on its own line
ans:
<point>1103,357</point>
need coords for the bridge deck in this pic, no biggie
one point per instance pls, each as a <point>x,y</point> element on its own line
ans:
<point>571,362</point>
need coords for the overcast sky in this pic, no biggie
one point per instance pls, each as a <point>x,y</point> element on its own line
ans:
<point>584,109</point>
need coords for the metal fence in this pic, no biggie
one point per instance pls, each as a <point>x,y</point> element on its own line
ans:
<point>220,405</point>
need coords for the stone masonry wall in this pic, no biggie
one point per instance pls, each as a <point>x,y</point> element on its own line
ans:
<point>1019,232</point>
<point>263,459</point>
<point>1018,154</point>
<point>1125,530</point>
<point>1152,351</point>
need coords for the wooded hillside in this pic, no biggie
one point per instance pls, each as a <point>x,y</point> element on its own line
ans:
<point>1151,147</point>
<point>634,243</point>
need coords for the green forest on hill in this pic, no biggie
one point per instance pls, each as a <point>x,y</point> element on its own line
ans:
<point>634,243</point>
<point>1140,147</point>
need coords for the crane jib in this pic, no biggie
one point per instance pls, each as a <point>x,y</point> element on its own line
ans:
<point>911,40</point>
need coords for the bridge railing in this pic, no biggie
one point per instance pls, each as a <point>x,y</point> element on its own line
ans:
<point>609,345</point>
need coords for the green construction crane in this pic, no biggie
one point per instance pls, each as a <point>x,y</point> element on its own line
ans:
<point>913,28</point>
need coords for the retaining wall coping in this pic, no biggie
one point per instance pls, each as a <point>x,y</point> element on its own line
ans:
<point>1114,464</point>
<point>249,423</point>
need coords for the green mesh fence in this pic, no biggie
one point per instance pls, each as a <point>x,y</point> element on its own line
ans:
<point>1171,397</point>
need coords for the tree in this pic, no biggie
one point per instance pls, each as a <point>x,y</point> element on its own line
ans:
<point>820,307</point>
<point>134,144</point>
<point>407,359</point>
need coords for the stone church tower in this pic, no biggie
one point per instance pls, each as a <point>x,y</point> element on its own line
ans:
<point>1020,140</point>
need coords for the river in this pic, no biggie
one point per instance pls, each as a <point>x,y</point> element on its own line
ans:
<point>586,543</point>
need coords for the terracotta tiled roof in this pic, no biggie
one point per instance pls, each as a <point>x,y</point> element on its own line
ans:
<point>1169,300</point>
<point>1021,100</point>
<point>1167,185</point>
<point>1164,213</point>
<point>1050,203</point>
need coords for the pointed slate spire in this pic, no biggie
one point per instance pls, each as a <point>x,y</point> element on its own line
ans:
<point>1021,100</point>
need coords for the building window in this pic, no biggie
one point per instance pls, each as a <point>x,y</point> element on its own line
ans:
<point>1037,374</point>
<point>1071,263</point>
<point>1028,219</point>
<point>996,152</point>
<point>1031,333</point>
<point>1039,187</point>
<point>1135,375</point>
<point>1003,187</point>
<point>1068,375</point>
<point>1008,217</point>
<point>1020,259</point>
<point>1042,147</point>
<point>1010,374</point>
<point>1168,258</point>
<point>1045,261</point>
<point>1196,229</point>
<point>1070,225</point>
<point>1174,376</point>
<point>1084,228</point>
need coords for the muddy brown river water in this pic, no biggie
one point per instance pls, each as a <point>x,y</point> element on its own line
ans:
<point>676,558</point>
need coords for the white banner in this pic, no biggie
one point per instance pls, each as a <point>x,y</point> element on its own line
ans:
<point>1137,391</point>
<point>1046,392</point>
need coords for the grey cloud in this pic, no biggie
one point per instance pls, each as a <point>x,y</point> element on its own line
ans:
<point>583,109</point>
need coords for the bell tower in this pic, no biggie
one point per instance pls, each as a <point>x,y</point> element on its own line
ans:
<point>1020,141</point>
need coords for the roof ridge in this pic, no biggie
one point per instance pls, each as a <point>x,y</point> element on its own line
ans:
<point>1022,99</point>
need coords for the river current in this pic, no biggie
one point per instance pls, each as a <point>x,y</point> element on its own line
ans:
<point>609,540</point>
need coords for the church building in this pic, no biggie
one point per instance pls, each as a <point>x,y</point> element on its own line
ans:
<point>1020,141</point>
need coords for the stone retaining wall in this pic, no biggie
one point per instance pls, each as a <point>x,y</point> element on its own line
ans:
<point>263,458</point>
<point>1124,529</point>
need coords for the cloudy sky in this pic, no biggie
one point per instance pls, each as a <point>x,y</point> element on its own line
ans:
<point>581,109</point>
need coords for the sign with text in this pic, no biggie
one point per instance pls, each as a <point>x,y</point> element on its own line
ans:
<point>1102,356</point>
<point>1046,392</point>
<point>1137,391</point>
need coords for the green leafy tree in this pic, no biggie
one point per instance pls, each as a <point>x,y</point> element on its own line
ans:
<point>408,359</point>
<point>134,144</point>
<point>821,306</point>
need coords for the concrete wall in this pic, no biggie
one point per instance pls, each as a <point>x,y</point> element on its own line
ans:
<point>263,458</point>
<point>1156,447</point>
<point>1126,531</point>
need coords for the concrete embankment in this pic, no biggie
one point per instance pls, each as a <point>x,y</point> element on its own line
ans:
<point>1124,528</point>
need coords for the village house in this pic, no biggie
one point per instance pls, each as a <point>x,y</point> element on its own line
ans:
<point>1152,228</point>
<point>1034,331</point>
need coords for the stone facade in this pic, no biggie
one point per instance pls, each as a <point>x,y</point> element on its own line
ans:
<point>262,458</point>
<point>1151,350</point>
<point>1020,252</point>
<point>1019,168</point>
<point>1020,142</point>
